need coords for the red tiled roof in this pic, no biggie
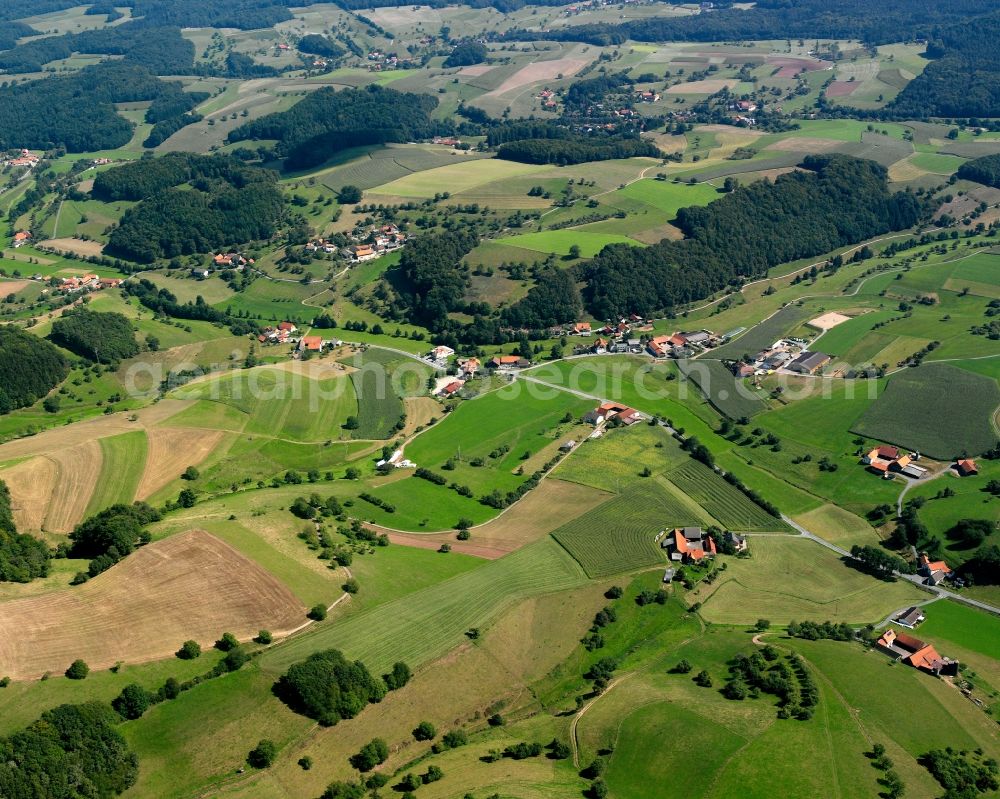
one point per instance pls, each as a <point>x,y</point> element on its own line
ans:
<point>312,342</point>
<point>924,658</point>
<point>887,452</point>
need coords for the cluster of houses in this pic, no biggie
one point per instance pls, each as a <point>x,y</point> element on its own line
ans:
<point>88,283</point>
<point>447,141</point>
<point>886,461</point>
<point>369,245</point>
<point>548,98</point>
<point>21,238</point>
<point>647,96</point>
<point>789,355</point>
<point>914,652</point>
<point>378,61</point>
<point>280,334</point>
<point>620,338</point>
<point>26,159</point>
<point>222,260</point>
<point>680,345</point>
<point>745,110</point>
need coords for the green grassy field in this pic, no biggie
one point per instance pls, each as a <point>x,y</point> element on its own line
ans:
<point>970,628</point>
<point>641,758</point>
<point>655,388</point>
<point>788,578</point>
<point>920,409</point>
<point>726,503</point>
<point>514,417</point>
<point>559,241</point>
<point>124,458</point>
<point>427,623</point>
<point>667,196</point>
<point>280,403</point>
<point>618,536</point>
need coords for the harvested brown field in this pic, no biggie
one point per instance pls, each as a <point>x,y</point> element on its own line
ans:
<point>419,411</point>
<point>707,86</point>
<point>841,88</point>
<point>75,246</point>
<point>552,504</point>
<point>542,70</point>
<point>190,586</point>
<point>790,67</point>
<point>77,471</point>
<point>60,438</point>
<point>805,144</point>
<point>170,451</point>
<point>13,286</point>
<point>476,70</point>
<point>30,483</point>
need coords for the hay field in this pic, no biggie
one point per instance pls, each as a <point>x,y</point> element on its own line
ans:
<point>456,177</point>
<point>123,459</point>
<point>707,86</point>
<point>427,623</point>
<point>537,72</point>
<point>170,450</point>
<point>791,578</point>
<point>618,535</point>
<point>189,586</point>
<point>78,471</point>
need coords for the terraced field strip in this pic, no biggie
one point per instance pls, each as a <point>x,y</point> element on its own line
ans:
<point>426,624</point>
<point>124,459</point>
<point>618,535</point>
<point>725,502</point>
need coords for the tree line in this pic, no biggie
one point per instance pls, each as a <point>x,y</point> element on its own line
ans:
<point>882,23</point>
<point>577,149</point>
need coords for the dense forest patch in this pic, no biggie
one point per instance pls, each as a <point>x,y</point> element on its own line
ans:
<point>30,368</point>
<point>328,121</point>
<point>72,750</point>
<point>985,170</point>
<point>101,337</point>
<point>190,204</point>
<point>839,200</point>
<point>77,111</point>
<point>964,78</point>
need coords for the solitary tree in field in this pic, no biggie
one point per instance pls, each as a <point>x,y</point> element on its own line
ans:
<point>78,670</point>
<point>424,731</point>
<point>189,650</point>
<point>762,624</point>
<point>263,754</point>
<point>317,612</point>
